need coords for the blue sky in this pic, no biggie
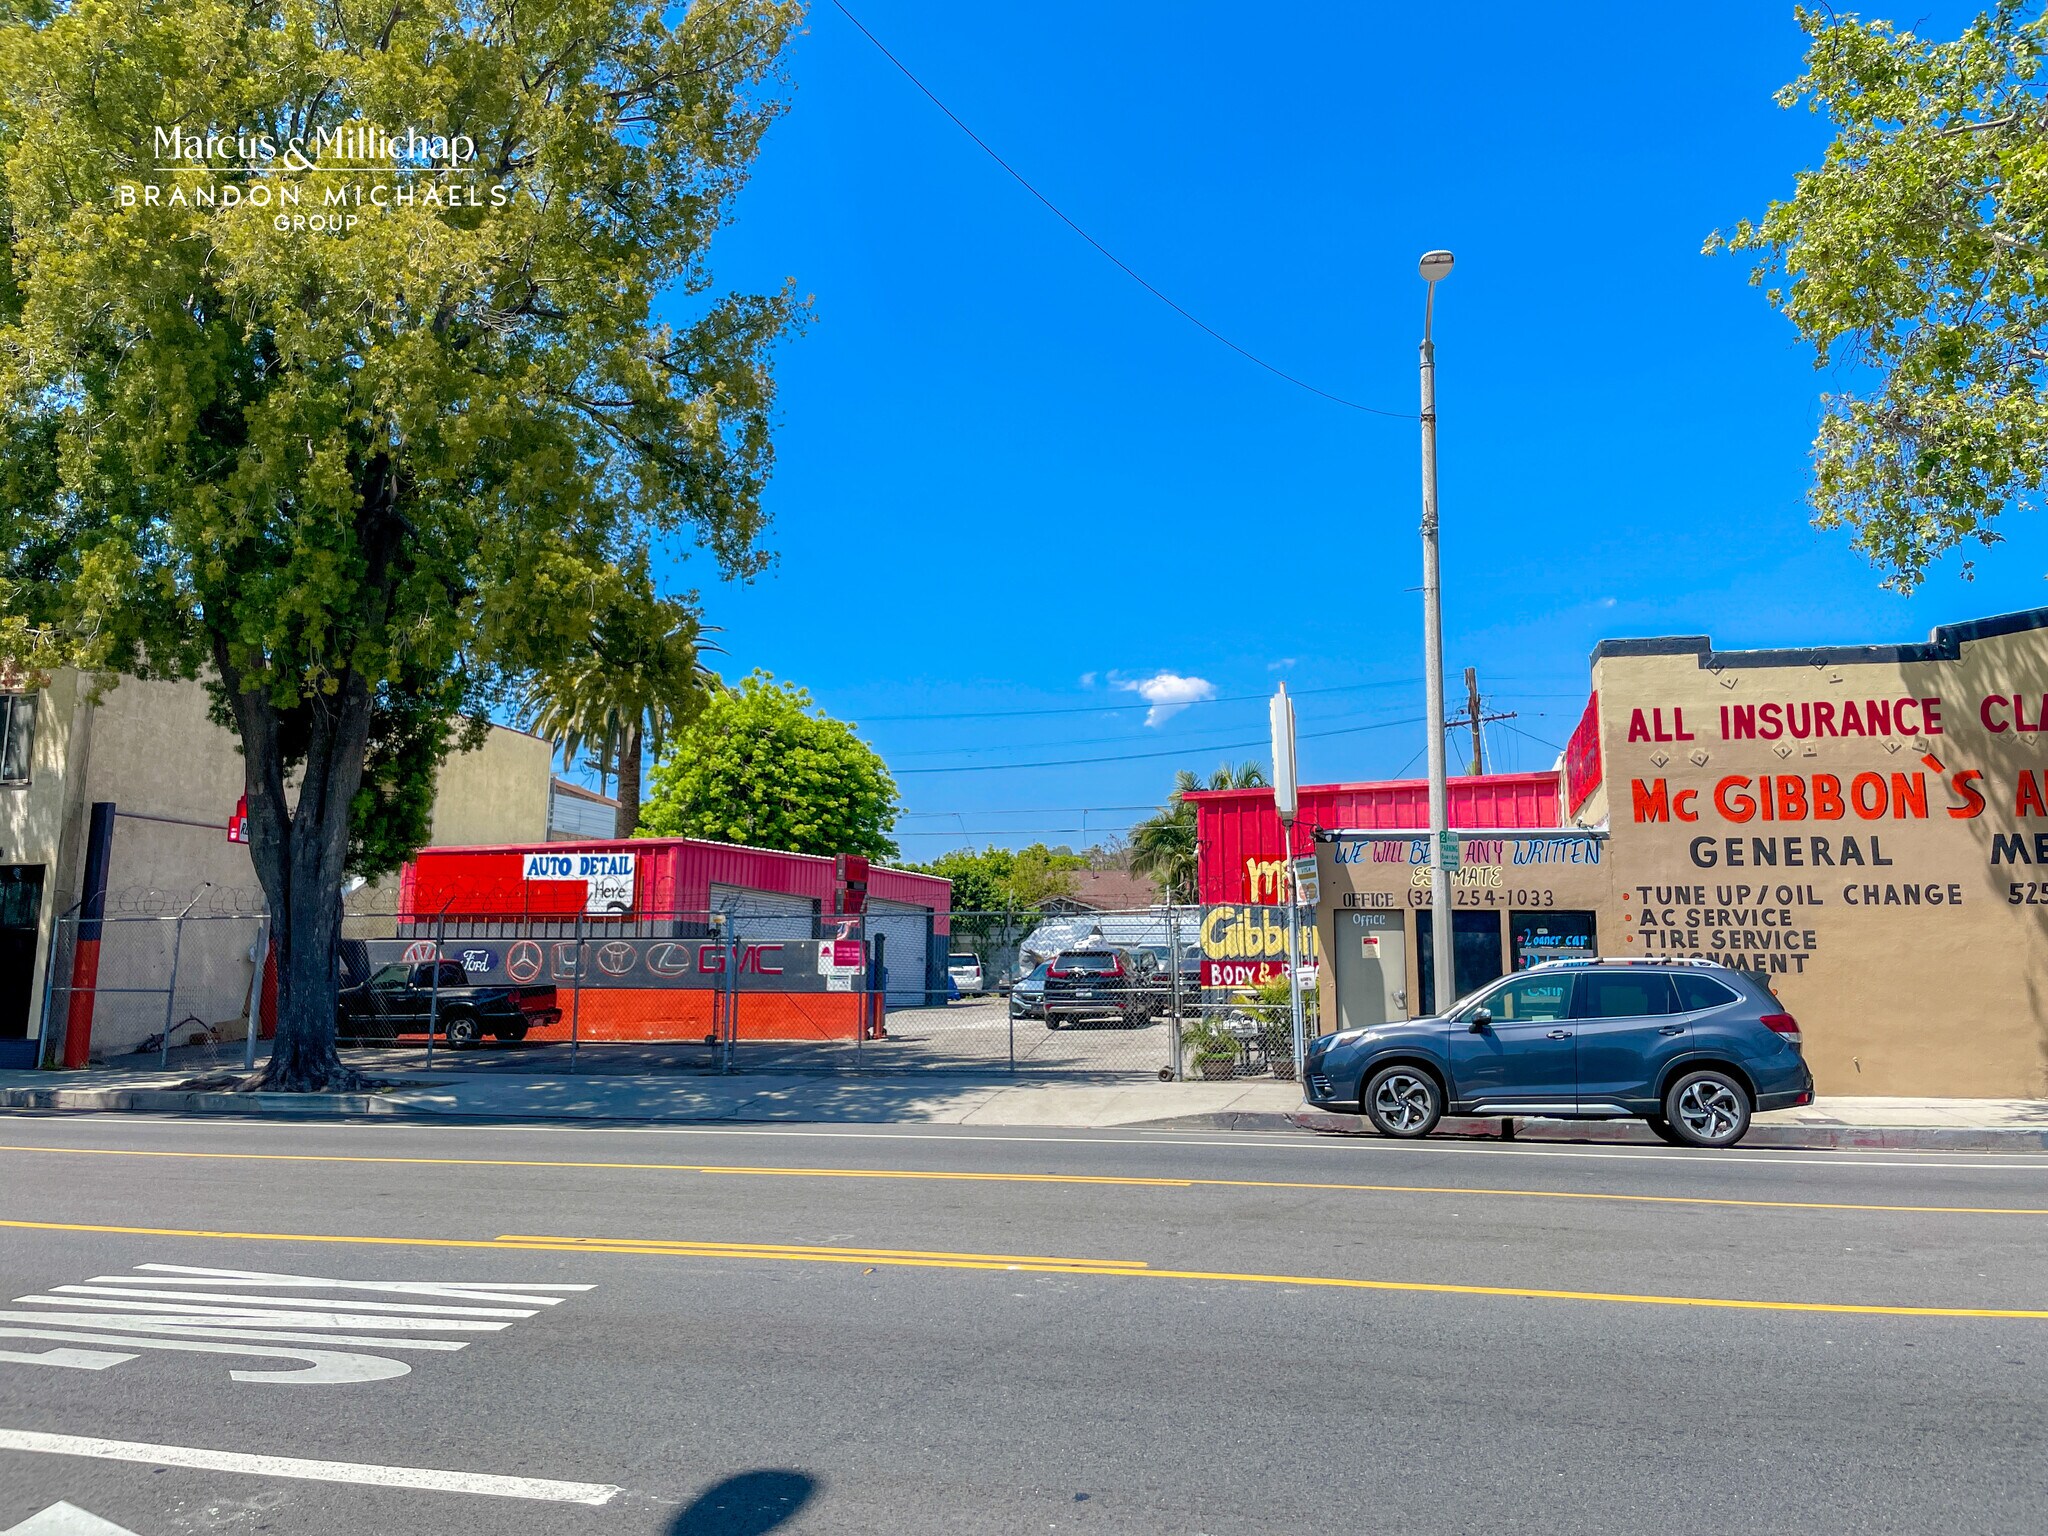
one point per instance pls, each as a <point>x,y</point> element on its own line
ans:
<point>1009,480</point>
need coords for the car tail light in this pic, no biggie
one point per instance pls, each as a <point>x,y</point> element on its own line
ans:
<point>1057,975</point>
<point>1116,967</point>
<point>1783,1024</point>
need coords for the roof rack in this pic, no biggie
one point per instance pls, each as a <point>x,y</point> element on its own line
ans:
<point>1561,965</point>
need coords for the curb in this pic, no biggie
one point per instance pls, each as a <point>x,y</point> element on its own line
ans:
<point>1825,1138</point>
<point>310,1106</point>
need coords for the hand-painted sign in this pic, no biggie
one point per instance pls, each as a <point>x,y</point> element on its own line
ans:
<point>607,877</point>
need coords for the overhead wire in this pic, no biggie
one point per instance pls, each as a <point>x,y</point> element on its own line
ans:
<point>1138,757</point>
<point>1108,709</point>
<point>1120,264</point>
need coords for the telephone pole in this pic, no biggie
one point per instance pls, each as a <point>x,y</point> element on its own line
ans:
<point>1474,718</point>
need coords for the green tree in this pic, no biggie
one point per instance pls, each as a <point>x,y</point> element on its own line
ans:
<point>1165,845</point>
<point>1918,253</point>
<point>1006,879</point>
<point>623,691</point>
<point>357,479</point>
<point>762,765</point>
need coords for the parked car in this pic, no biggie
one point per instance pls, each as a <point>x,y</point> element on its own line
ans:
<point>966,971</point>
<point>1127,986</point>
<point>401,999</point>
<point>1691,1047</point>
<point>1027,993</point>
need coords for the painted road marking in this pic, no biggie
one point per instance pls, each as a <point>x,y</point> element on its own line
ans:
<point>1129,1269</point>
<point>174,1307</point>
<point>62,1519</point>
<point>1132,1181</point>
<point>486,1484</point>
<point>1314,1145</point>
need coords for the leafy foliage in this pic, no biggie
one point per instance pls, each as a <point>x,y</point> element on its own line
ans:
<point>359,479</point>
<point>1918,250</point>
<point>637,678</point>
<point>1165,845</point>
<point>1016,880</point>
<point>762,765</point>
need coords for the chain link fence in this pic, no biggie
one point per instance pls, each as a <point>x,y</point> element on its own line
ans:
<point>1050,991</point>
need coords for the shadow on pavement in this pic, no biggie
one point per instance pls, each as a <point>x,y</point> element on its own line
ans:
<point>746,1505</point>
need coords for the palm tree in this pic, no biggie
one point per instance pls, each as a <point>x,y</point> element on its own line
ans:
<point>640,678</point>
<point>1165,846</point>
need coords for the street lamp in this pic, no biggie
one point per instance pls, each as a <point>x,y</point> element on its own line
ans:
<point>1435,266</point>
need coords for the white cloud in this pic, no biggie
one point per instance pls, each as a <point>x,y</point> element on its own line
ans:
<point>1606,602</point>
<point>1087,679</point>
<point>1284,664</point>
<point>1168,693</point>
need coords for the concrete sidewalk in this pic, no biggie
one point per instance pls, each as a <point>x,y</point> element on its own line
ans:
<point>2003,1125</point>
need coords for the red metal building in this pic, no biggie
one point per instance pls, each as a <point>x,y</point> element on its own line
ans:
<point>763,891</point>
<point>1241,847</point>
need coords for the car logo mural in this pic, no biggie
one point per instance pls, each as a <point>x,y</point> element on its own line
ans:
<point>524,961</point>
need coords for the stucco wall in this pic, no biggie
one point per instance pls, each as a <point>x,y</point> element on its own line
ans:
<point>175,777</point>
<point>1890,884</point>
<point>1904,919</point>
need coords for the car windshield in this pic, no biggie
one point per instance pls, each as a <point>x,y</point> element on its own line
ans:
<point>1089,964</point>
<point>1037,973</point>
<point>963,959</point>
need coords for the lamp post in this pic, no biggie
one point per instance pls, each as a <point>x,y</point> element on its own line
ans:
<point>1435,265</point>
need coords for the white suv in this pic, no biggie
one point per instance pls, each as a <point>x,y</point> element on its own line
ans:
<point>966,973</point>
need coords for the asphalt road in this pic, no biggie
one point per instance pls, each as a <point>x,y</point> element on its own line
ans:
<point>826,1329</point>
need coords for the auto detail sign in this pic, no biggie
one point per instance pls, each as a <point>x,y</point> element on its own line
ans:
<point>1246,944</point>
<point>607,877</point>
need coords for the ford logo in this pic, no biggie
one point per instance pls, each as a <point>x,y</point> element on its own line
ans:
<point>477,961</point>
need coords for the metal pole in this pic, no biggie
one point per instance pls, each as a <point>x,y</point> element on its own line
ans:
<point>177,948</point>
<point>576,998</point>
<point>1441,939</point>
<point>256,995</point>
<point>1173,1047</point>
<point>729,978</point>
<point>434,986</point>
<point>1294,965</point>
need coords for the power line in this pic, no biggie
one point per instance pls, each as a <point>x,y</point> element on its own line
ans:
<point>1084,741</point>
<point>1119,262</point>
<point>1112,709</point>
<point>1137,757</point>
<point>1030,810</point>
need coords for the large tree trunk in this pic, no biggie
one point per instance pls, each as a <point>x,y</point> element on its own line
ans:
<point>300,849</point>
<point>299,852</point>
<point>629,780</point>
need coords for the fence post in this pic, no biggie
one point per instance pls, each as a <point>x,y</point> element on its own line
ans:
<point>1173,1044</point>
<point>262,955</point>
<point>576,998</point>
<point>434,995</point>
<point>171,992</point>
<point>729,983</point>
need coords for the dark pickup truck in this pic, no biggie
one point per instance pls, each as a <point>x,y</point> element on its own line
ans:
<point>401,999</point>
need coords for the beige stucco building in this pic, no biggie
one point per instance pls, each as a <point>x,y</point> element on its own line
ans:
<point>1864,828</point>
<point>174,777</point>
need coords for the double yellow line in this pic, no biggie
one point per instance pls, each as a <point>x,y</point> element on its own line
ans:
<point>1120,1269</point>
<point>1120,1180</point>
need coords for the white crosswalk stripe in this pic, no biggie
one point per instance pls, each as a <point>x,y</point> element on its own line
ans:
<point>189,1309</point>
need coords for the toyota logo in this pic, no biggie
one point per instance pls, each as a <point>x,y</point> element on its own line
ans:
<point>616,958</point>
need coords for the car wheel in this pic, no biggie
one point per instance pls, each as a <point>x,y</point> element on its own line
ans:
<point>1707,1109</point>
<point>1403,1102</point>
<point>461,1032</point>
<point>1051,1022</point>
<point>1661,1129</point>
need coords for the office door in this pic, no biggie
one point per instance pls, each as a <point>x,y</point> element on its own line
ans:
<point>1371,968</point>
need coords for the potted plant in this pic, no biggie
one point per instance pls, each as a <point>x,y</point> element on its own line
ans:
<point>1211,1047</point>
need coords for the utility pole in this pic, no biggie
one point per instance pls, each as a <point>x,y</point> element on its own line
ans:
<point>1472,714</point>
<point>1474,718</point>
<point>1435,264</point>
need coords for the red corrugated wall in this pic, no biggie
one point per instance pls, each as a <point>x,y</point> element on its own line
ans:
<point>670,875</point>
<point>1236,826</point>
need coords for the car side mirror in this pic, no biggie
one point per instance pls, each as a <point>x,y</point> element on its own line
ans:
<point>1482,1021</point>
